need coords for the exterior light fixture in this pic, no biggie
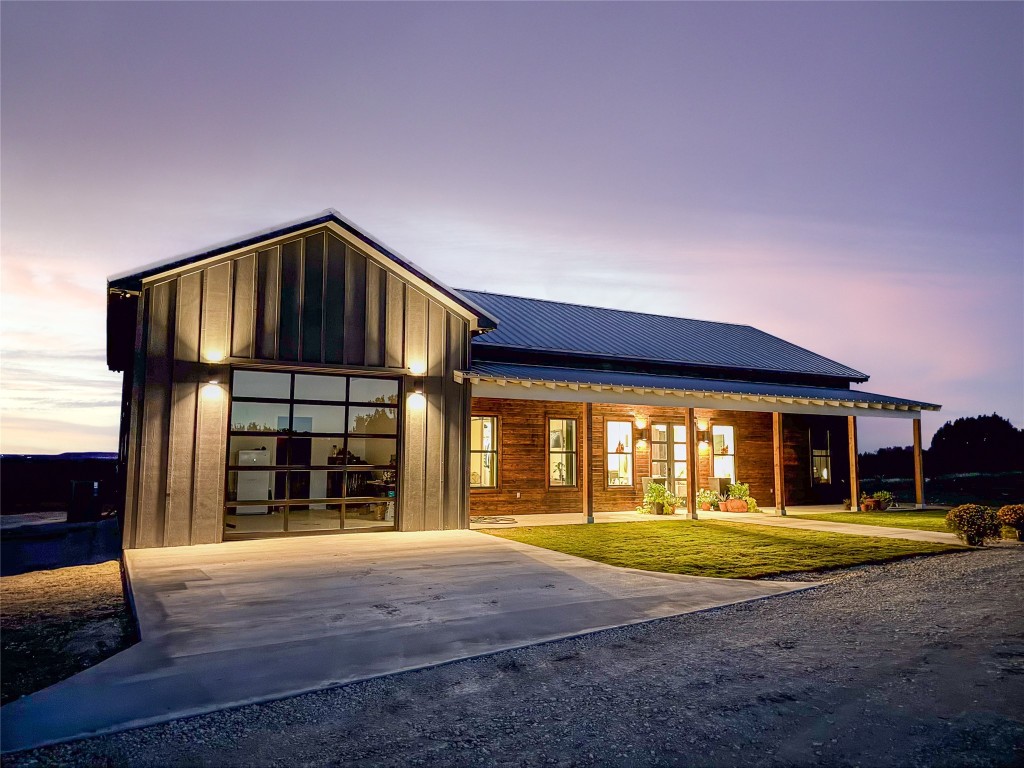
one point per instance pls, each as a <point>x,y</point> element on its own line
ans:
<point>702,425</point>
<point>417,368</point>
<point>641,422</point>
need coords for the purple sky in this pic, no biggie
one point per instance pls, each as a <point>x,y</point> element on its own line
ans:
<point>847,176</point>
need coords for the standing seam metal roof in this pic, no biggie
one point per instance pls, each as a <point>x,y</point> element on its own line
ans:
<point>552,326</point>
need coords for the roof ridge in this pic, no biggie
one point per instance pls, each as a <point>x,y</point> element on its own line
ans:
<point>614,309</point>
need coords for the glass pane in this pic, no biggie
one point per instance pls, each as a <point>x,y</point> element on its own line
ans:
<point>373,391</point>
<point>620,437</point>
<point>326,451</point>
<point>680,491</point>
<point>725,466</point>
<point>482,470</point>
<point>380,451</point>
<point>561,434</point>
<point>378,483</point>
<point>319,387</point>
<point>256,486</point>
<point>679,452</point>
<point>259,417</point>
<point>722,439</point>
<point>315,517</point>
<point>659,451</point>
<point>620,469</point>
<point>319,418</point>
<point>261,384</point>
<point>680,470</point>
<point>659,432</point>
<point>679,433</point>
<point>482,433</point>
<point>370,515</point>
<point>254,451</point>
<point>247,520</point>
<point>659,469</point>
<point>317,484</point>
<point>372,421</point>
<point>562,469</point>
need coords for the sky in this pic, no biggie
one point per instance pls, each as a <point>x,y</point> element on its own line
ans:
<point>848,176</point>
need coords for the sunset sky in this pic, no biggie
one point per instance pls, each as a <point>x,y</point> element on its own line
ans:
<point>849,176</point>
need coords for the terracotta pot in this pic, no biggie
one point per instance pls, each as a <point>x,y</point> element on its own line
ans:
<point>659,508</point>
<point>869,505</point>
<point>706,507</point>
<point>736,505</point>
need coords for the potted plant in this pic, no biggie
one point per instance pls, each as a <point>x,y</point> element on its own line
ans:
<point>884,499</point>
<point>1012,516</point>
<point>658,500</point>
<point>847,504</point>
<point>868,503</point>
<point>737,500</point>
<point>706,499</point>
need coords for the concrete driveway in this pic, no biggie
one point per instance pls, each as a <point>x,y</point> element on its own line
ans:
<point>229,624</point>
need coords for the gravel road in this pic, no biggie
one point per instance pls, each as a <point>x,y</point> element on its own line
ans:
<point>914,663</point>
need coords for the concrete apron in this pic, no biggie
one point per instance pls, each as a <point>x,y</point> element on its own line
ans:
<point>225,625</point>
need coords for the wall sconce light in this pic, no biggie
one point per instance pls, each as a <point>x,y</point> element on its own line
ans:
<point>641,422</point>
<point>416,397</point>
<point>702,425</point>
<point>418,368</point>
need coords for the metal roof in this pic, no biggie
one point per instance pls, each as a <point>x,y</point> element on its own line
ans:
<point>132,280</point>
<point>657,384</point>
<point>553,326</point>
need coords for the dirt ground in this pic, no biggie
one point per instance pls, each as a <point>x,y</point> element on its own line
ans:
<point>56,623</point>
<point>913,663</point>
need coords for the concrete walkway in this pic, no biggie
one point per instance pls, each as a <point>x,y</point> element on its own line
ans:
<point>230,624</point>
<point>792,520</point>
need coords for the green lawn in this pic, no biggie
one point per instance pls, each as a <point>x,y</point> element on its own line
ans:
<point>716,548</point>
<point>921,519</point>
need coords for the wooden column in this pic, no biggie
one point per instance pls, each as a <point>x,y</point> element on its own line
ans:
<point>691,466</point>
<point>780,468</point>
<point>587,445</point>
<point>918,466</point>
<point>854,475</point>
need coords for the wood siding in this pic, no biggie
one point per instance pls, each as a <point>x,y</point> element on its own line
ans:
<point>312,301</point>
<point>522,456</point>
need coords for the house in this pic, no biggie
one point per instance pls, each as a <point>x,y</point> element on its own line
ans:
<point>308,379</point>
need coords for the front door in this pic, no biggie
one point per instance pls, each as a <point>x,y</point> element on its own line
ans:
<point>668,457</point>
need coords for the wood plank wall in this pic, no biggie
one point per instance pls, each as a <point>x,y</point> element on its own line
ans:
<point>522,426</point>
<point>311,300</point>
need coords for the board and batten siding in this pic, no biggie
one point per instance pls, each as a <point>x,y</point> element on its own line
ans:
<point>312,301</point>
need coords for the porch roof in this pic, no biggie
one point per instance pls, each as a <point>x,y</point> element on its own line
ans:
<point>535,382</point>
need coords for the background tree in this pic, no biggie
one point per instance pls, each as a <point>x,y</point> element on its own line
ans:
<point>977,444</point>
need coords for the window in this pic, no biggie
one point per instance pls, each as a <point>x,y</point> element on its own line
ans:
<point>619,453</point>
<point>821,458</point>
<point>311,452</point>
<point>562,452</point>
<point>483,452</point>
<point>723,444</point>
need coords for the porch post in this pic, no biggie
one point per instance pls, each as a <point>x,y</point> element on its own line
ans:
<point>691,466</point>
<point>918,466</point>
<point>780,468</point>
<point>854,476</point>
<point>587,482</point>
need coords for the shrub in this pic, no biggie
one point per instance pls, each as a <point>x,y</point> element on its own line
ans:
<point>884,498</point>
<point>658,494</point>
<point>752,504</point>
<point>973,523</point>
<point>1012,516</point>
<point>707,496</point>
<point>739,490</point>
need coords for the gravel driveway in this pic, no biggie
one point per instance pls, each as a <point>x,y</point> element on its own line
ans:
<point>919,662</point>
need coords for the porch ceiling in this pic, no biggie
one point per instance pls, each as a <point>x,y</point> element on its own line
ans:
<point>534,382</point>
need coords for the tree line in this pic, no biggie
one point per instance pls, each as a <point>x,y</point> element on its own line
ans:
<point>970,444</point>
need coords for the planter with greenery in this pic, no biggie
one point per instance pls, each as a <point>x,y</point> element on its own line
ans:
<point>1012,516</point>
<point>974,524</point>
<point>868,503</point>
<point>737,498</point>
<point>847,504</point>
<point>884,499</point>
<point>659,500</point>
<point>707,499</point>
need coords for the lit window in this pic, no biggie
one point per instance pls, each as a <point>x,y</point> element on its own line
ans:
<point>483,452</point>
<point>821,458</point>
<point>723,444</point>
<point>619,451</point>
<point>562,452</point>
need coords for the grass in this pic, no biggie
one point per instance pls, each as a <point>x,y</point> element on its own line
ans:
<point>56,623</point>
<point>919,519</point>
<point>717,548</point>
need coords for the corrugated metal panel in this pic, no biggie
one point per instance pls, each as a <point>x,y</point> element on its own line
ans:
<point>551,326</point>
<point>514,372</point>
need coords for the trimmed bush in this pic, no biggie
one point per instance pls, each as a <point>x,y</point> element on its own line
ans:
<point>752,504</point>
<point>974,523</point>
<point>1012,516</point>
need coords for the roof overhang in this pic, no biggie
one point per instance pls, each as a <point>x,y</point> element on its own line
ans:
<point>524,382</point>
